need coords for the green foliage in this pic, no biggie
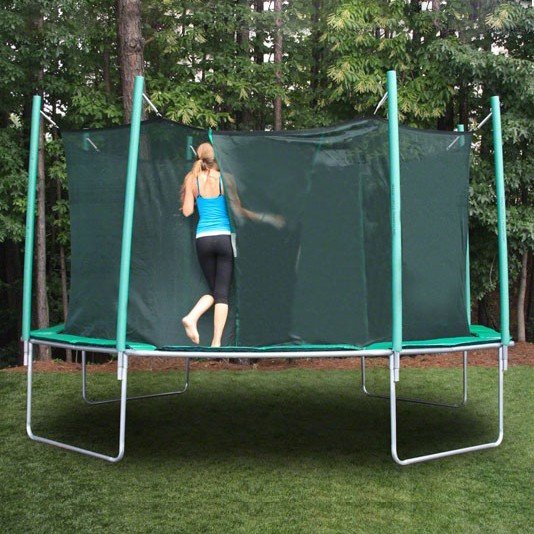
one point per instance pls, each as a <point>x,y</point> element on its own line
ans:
<point>366,39</point>
<point>90,107</point>
<point>12,185</point>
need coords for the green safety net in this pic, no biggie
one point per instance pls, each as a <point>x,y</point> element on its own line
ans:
<point>311,213</point>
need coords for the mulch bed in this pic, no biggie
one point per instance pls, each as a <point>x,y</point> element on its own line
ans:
<point>520,354</point>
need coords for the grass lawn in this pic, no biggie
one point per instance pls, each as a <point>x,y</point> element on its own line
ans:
<point>267,451</point>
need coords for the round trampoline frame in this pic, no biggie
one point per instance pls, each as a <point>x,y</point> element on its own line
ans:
<point>394,353</point>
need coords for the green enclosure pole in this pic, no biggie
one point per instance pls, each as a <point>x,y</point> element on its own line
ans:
<point>461,128</point>
<point>127,225</point>
<point>396,233</point>
<point>501,220</point>
<point>30,221</point>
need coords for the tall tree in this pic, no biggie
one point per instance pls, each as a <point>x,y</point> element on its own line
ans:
<point>131,49</point>
<point>43,316</point>
<point>41,301</point>
<point>278,43</point>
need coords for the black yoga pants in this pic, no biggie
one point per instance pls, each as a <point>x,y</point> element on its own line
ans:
<point>216,259</point>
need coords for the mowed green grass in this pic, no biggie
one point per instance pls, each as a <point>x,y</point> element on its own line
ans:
<point>260,452</point>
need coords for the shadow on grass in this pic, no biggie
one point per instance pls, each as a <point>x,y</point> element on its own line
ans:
<point>220,421</point>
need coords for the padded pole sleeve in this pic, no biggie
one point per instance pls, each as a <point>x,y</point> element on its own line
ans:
<point>501,220</point>
<point>396,232</point>
<point>30,218</point>
<point>127,225</point>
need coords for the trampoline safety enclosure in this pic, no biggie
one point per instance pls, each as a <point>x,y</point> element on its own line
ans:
<point>370,256</point>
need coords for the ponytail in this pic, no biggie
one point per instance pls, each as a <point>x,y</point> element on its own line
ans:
<point>205,161</point>
<point>191,176</point>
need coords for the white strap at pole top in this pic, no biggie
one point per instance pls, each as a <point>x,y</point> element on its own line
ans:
<point>382,100</point>
<point>49,119</point>
<point>151,104</point>
<point>484,121</point>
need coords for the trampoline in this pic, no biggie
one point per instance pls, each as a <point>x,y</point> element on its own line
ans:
<point>372,258</point>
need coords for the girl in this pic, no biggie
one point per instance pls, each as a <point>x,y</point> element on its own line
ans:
<point>213,241</point>
<point>203,184</point>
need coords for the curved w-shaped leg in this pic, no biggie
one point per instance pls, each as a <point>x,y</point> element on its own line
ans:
<point>463,402</point>
<point>122,422</point>
<point>107,401</point>
<point>426,457</point>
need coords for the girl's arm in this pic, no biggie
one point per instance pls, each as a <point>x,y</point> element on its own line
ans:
<point>274,220</point>
<point>188,202</point>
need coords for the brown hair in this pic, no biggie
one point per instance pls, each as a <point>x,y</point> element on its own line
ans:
<point>205,161</point>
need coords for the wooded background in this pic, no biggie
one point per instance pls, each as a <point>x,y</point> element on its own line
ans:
<point>243,64</point>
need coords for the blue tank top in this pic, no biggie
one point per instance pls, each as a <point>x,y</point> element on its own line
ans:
<point>213,214</point>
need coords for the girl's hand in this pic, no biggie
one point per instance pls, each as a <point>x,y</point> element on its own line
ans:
<point>274,220</point>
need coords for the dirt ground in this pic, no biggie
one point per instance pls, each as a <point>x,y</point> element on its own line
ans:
<point>520,354</point>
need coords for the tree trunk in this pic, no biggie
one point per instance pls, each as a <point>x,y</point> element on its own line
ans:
<point>278,63</point>
<point>40,307</point>
<point>131,46</point>
<point>316,51</point>
<point>244,119</point>
<point>530,300</point>
<point>106,71</point>
<point>43,319</point>
<point>243,35</point>
<point>482,311</point>
<point>63,272</point>
<point>415,8</point>
<point>463,106</point>
<point>258,47</point>
<point>521,325</point>
<point>10,258</point>
<point>258,51</point>
<point>64,292</point>
<point>446,122</point>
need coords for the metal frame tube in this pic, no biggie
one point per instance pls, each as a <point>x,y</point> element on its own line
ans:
<point>262,355</point>
<point>87,452</point>
<point>275,354</point>
<point>127,226</point>
<point>392,397</point>
<point>463,402</point>
<point>501,220</point>
<point>459,348</point>
<point>30,224</point>
<point>424,458</point>
<point>88,348</point>
<point>396,228</point>
<point>137,397</point>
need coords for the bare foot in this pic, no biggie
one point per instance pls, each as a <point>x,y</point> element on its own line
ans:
<point>215,343</point>
<point>191,329</point>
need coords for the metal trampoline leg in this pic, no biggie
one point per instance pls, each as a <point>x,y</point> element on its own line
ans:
<point>122,422</point>
<point>435,456</point>
<point>107,401</point>
<point>463,402</point>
